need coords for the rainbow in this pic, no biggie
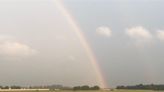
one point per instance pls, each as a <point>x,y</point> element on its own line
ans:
<point>72,22</point>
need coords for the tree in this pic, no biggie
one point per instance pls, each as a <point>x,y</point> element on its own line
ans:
<point>85,87</point>
<point>95,88</point>
<point>6,87</point>
<point>77,88</point>
<point>15,87</point>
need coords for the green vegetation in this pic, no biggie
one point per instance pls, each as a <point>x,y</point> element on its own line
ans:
<point>143,87</point>
<point>86,87</point>
<point>90,91</point>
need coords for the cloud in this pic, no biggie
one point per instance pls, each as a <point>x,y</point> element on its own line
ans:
<point>104,31</point>
<point>160,35</point>
<point>11,48</point>
<point>139,34</point>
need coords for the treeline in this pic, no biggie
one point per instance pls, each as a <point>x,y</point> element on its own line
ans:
<point>54,87</point>
<point>10,87</point>
<point>51,87</point>
<point>143,87</point>
<point>86,87</point>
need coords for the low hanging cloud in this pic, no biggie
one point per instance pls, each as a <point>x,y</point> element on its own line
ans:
<point>14,49</point>
<point>160,35</point>
<point>104,31</point>
<point>140,34</point>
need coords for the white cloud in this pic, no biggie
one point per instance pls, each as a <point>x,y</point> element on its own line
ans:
<point>104,31</point>
<point>160,34</point>
<point>10,48</point>
<point>139,34</point>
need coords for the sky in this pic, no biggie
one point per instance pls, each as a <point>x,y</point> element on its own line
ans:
<point>38,46</point>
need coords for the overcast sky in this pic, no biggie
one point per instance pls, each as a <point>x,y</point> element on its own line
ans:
<point>38,46</point>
